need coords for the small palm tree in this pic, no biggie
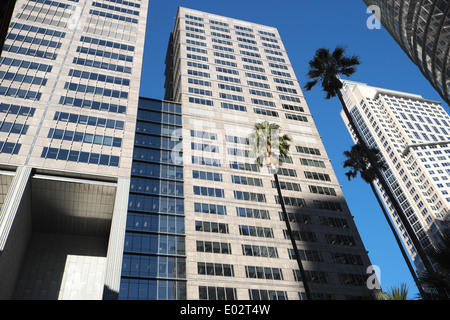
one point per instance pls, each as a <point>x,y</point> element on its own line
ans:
<point>439,279</point>
<point>358,162</point>
<point>266,141</point>
<point>394,293</point>
<point>326,68</point>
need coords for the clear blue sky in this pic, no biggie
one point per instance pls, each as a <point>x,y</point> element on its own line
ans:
<point>305,26</point>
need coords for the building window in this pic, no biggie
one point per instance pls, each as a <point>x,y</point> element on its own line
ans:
<point>254,231</point>
<point>252,213</point>
<point>213,227</point>
<point>263,273</point>
<point>204,175</point>
<point>215,269</point>
<point>210,208</point>
<point>216,293</point>
<point>210,192</point>
<point>260,294</point>
<point>328,205</point>
<point>249,196</point>
<point>246,181</point>
<point>259,251</point>
<point>322,190</point>
<point>80,156</point>
<point>213,247</point>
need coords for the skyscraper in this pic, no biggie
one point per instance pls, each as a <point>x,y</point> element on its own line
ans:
<point>69,87</point>
<point>106,195</point>
<point>228,75</point>
<point>420,28</point>
<point>412,134</point>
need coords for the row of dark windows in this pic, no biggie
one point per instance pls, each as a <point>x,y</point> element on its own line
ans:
<point>98,77</point>
<point>94,105</point>
<point>267,232</point>
<point>9,147</point>
<point>33,40</point>
<point>23,64</point>
<point>70,86</point>
<point>80,156</point>
<point>215,24</point>
<point>145,289</point>
<point>56,3</point>
<point>105,43</point>
<point>20,93</point>
<point>84,137</point>
<point>113,16</point>
<point>105,54</point>
<point>35,29</point>
<point>88,120</point>
<point>115,8</point>
<point>22,78</point>
<point>30,52</point>
<point>16,109</point>
<point>101,65</point>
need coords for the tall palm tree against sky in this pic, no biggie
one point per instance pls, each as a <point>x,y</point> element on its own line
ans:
<point>326,68</point>
<point>270,149</point>
<point>358,163</point>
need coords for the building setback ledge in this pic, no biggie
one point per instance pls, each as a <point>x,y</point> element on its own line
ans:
<point>434,143</point>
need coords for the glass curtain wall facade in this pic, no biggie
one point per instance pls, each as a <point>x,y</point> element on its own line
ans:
<point>154,260</point>
<point>421,30</point>
<point>412,134</point>
<point>228,75</point>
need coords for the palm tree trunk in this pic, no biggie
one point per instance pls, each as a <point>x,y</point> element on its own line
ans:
<point>418,246</point>
<point>399,243</point>
<point>291,236</point>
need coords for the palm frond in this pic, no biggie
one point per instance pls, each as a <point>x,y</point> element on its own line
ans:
<point>310,84</point>
<point>358,161</point>
<point>338,53</point>
<point>326,67</point>
<point>394,293</point>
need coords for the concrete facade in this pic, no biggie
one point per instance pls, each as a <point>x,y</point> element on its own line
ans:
<point>69,86</point>
<point>412,134</point>
<point>229,75</point>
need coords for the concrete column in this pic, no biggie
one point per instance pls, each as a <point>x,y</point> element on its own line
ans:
<point>15,230</point>
<point>116,241</point>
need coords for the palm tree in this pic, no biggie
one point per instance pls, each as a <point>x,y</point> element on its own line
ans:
<point>439,279</point>
<point>326,68</point>
<point>394,293</point>
<point>266,141</point>
<point>358,162</point>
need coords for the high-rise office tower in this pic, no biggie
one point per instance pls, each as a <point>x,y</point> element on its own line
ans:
<point>69,88</point>
<point>413,136</point>
<point>420,28</point>
<point>228,75</point>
